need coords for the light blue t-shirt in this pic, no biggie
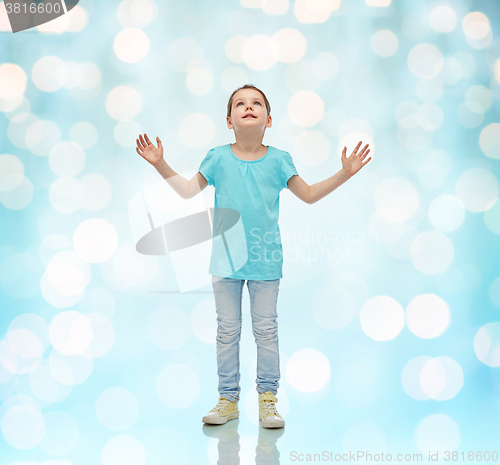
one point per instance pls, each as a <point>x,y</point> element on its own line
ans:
<point>246,240</point>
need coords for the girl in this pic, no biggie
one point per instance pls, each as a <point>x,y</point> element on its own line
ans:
<point>248,177</point>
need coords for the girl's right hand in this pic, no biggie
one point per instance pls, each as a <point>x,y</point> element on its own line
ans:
<point>148,151</point>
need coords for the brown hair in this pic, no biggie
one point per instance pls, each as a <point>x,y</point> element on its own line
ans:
<point>248,86</point>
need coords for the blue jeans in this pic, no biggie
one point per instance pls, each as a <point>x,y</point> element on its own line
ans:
<point>228,295</point>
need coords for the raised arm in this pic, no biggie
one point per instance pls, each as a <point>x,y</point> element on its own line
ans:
<point>154,155</point>
<point>350,166</point>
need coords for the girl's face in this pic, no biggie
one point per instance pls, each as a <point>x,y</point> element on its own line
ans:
<point>248,109</point>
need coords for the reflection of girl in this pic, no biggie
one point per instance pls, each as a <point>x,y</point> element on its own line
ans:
<point>248,177</point>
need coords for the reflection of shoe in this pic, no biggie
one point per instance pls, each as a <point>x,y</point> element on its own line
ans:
<point>224,433</point>
<point>225,410</point>
<point>267,411</point>
<point>268,438</point>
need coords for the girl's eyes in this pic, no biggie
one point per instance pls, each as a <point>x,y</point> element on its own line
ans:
<point>242,103</point>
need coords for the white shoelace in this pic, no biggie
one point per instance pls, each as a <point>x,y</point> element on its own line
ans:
<point>221,406</point>
<point>270,407</point>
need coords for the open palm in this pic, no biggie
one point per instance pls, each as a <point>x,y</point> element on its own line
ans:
<point>355,161</point>
<point>148,151</point>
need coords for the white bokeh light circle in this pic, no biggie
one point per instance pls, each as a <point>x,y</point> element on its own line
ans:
<point>177,386</point>
<point>384,43</point>
<point>305,108</point>
<point>234,48</point>
<point>117,408</point>
<point>446,213</point>
<point>169,328</point>
<point>314,11</point>
<point>11,172</point>
<point>441,378</point>
<point>19,197</point>
<point>66,194</point>
<point>427,316</point>
<point>131,45</point>
<point>197,130</point>
<point>410,377</point>
<point>23,426</point>
<point>84,134</point>
<point>432,252</point>
<point>308,370</point>
<point>425,60</point>
<point>476,25</point>
<point>49,73</point>
<point>382,318</point>
<point>489,140</point>
<point>260,52</point>
<point>67,274</point>
<point>67,159</point>
<point>27,350</point>
<point>70,333</point>
<point>443,19</point>
<point>477,189</point>
<point>95,240</point>
<point>123,103</point>
<point>487,344</point>
<point>8,362</point>
<point>71,369</point>
<point>13,81</point>
<point>42,137</point>
<point>291,45</point>
<point>136,13</point>
<point>61,434</point>
<point>437,433</point>
<point>45,386</point>
<point>396,199</point>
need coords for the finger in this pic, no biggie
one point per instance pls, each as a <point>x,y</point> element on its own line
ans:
<point>138,151</point>
<point>140,144</point>
<point>356,148</point>
<point>159,142</point>
<point>364,155</point>
<point>344,152</point>
<point>147,139</point>
<point>142,140</point>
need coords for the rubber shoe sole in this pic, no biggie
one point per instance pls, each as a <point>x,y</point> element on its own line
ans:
<point>272,421</point>
<point>213,418</point>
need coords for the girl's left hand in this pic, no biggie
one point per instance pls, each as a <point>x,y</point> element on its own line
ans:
<point>355,161</point>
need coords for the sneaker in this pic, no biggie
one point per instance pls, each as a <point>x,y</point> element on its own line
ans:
<point>224,410</point>
<point>267,411</point>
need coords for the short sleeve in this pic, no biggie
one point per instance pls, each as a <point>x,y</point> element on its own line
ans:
<point>207,168</point>
<point>287,169</point>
